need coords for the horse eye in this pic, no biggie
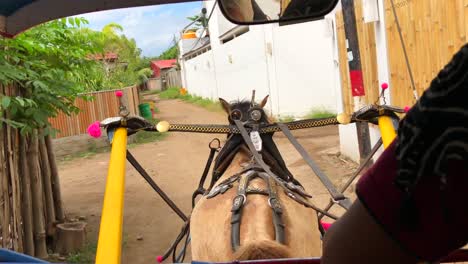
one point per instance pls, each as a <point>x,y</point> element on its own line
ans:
<point>236,115</point>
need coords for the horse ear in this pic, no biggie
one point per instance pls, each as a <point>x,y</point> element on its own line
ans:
<point>226,106</point>
<point>264,101</point>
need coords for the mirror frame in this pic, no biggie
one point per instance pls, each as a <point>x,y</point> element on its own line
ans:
<point>312,17</point>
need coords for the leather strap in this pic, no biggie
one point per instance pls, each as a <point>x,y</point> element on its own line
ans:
<point>201,190</point>
<point>275,205</point>
<point>240,199</point>
<point>265,167</point>
<point>236,210</point>
<point>337,196</point>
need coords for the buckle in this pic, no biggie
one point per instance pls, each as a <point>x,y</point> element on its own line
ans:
<point>275,205</point>
<point>238,202</point>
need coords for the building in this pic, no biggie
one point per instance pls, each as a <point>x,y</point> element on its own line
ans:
<point>160,66</point>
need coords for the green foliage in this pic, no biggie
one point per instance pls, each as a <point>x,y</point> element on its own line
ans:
<point>49,65</point>
<point>144,74</point>
<point>170,53</point>
<point>320,113</point>
<point>200,21</point>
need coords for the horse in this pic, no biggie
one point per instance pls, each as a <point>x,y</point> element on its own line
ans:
<point>247,213</point>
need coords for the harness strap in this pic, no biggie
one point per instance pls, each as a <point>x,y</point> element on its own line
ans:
<point>240,199</point>
<point>236,209</point>
<point>337,196</point>
<point>201,190</point>
<point>275,205</point>
<point>259,160</point>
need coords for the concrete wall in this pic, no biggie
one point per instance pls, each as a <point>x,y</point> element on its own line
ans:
<point>293,64</point>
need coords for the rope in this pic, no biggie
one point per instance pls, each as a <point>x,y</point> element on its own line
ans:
<point>408,65</point>
<point>227,129</point>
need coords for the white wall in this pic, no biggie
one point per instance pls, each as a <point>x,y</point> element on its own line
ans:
<point>293,64</point>
<point>304,63</point>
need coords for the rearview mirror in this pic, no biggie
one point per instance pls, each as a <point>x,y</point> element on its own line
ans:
<point>250,12</point>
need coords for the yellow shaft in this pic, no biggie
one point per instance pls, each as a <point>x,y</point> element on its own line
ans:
<point>110,233</point>
<point>387,130</point>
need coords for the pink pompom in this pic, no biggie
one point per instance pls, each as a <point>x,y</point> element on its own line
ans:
<point>407,108</point>
<point>160,259</point>
<point>384,86</point>
<point>119,94</point>
<point>94,130</point>
<point>325,225</point>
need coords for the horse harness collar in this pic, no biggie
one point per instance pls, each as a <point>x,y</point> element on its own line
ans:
<point>257,168</point>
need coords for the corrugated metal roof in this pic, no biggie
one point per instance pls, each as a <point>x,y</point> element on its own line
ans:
<point>164,64</point>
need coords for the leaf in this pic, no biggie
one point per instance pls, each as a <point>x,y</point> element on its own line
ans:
<point>6,100</point>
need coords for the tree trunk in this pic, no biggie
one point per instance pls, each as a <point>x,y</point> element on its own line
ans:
<point>38,206</point>
<point>59,213</point>
<point>71,237</point>
<point>47,184</point>
<point>26,204</point>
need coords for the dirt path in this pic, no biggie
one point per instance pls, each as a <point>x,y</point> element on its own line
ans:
<point>176,163</point>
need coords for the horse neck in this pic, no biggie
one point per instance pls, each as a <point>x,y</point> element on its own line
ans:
<point>242,156</point>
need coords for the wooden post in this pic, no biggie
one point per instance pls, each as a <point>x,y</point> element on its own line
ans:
<point>38,205</point>
<point>16,232</point>
<point>59,213</point>
<point>355,72</point>
<point>47,184</point>
<point>4,203</point>
<point>26,201</point>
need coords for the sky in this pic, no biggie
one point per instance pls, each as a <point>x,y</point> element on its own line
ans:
<point>152,27</point>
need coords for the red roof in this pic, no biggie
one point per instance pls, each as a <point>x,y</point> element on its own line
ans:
<point>164,64</point>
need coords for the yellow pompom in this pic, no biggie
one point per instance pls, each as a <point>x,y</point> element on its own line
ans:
<point>163,126</point>
<point>344,119</point>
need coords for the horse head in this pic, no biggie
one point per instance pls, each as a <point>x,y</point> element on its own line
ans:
<point>245,111</point>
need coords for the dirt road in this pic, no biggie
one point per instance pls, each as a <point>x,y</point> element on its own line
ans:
<point>176,163</point>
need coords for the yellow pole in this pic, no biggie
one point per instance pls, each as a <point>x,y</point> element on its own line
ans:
<point>110,233</point>
<point>387,130</point>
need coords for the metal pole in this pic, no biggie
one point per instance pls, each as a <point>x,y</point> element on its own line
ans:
<point>355,72</point>
<point>110,233</point>
<point>155,187</point>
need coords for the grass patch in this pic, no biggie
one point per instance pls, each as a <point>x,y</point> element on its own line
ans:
<point>85,256</point>
<point>174,93</point>
<point>150,92</point>
<point>286,119</point>
<point>88,254</point>
<point>320,113</point>
<point>85,154</point>
<point>170,93</point>
<point>144,137</point>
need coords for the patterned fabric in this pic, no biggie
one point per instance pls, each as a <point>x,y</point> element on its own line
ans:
<point>434,134</point>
